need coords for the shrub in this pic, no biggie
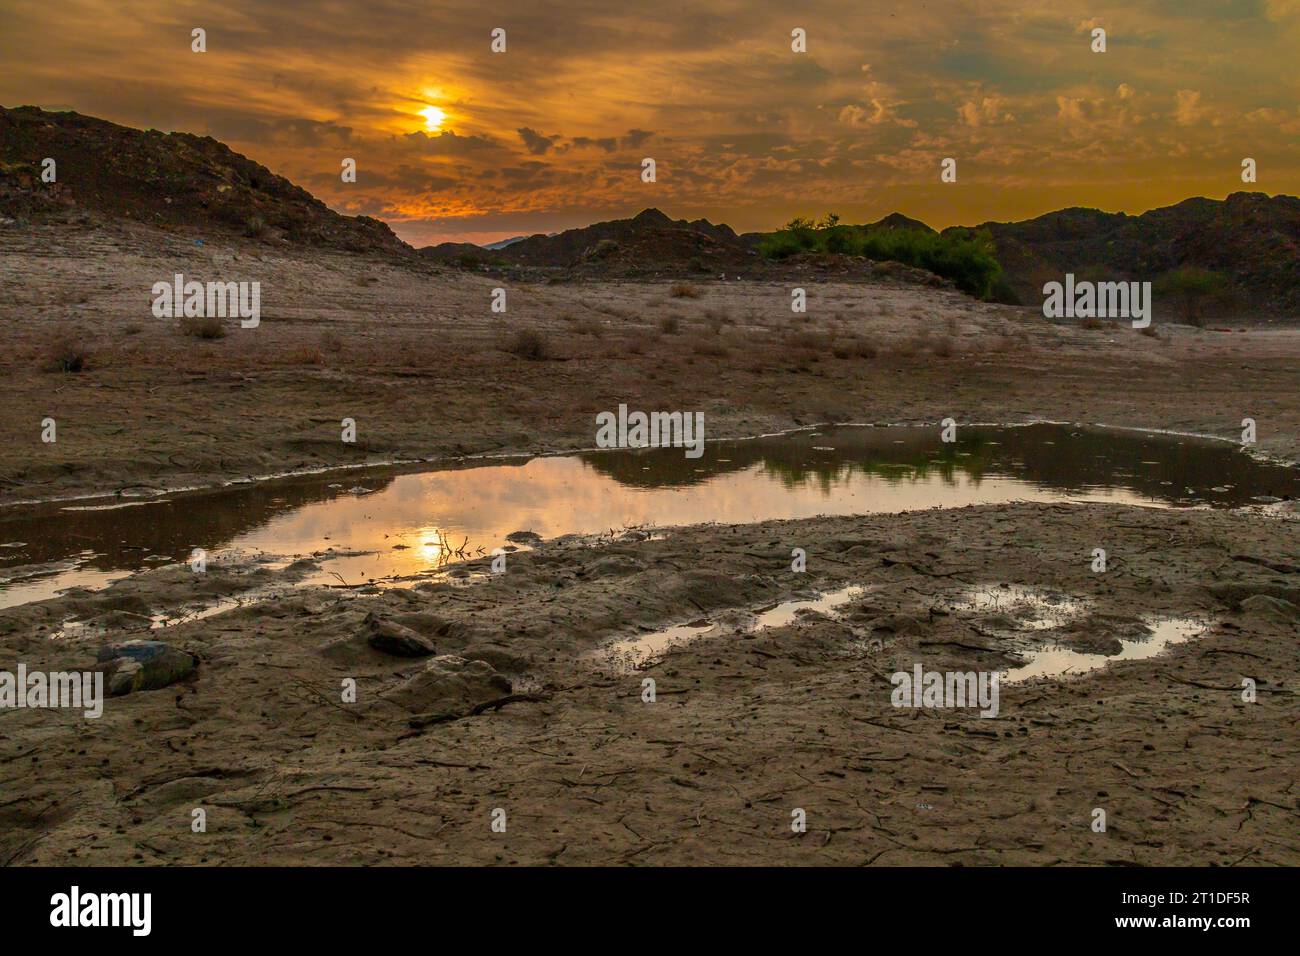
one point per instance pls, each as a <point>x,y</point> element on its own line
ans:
<point>528,344</point>
<point>66,353</point>
<point>963,255</point>
<point>684,290</point>
<point>670,324</point>
<point>305,355</point>
<point>1191,288</point>
<point>853,348</point>
<point>203,327</point>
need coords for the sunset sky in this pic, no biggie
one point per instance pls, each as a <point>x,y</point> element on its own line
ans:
<point>455,142</point>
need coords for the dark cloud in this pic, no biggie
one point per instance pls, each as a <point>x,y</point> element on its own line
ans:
<point>536,143</point>
<point>448,143</point>
<point>607,143</point>
<point>635,137</point>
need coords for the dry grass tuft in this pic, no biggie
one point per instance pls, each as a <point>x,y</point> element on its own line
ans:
<point>529,344</point>
<point>66,352</point>
<point>203,327</point>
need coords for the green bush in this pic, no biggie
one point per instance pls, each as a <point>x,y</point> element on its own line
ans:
<point>963,255</point>
<point>1191,288</point>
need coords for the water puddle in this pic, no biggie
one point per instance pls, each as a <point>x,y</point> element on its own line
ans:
<point>398,525</point>
<point>1013,611</point>
<point>1055,662</point>
<point>634,653</point>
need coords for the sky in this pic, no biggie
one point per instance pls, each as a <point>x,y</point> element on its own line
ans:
<point>455,142</point>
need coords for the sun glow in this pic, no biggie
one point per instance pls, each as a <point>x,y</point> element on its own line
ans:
<point>433,118</point>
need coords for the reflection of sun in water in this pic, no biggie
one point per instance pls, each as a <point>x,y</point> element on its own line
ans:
<point>431,548</point>
<point>433,118</point>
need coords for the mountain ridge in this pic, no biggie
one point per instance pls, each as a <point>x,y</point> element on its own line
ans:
<point>183,180</point>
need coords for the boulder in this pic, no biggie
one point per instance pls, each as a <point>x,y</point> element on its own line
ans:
<point>1275,609</point>
<point>449,687</point>
<point>143,665</point>
<point>396,639</point>
<point>500,656</point>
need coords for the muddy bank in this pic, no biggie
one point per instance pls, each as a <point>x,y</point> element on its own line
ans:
<point>417,359</point>
<point>505,712</point>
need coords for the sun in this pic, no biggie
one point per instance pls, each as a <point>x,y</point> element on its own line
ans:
<point>433,118</point>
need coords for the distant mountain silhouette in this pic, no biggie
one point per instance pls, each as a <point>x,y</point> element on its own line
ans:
<point>174,179</point>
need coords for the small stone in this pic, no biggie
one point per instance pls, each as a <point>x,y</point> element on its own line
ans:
<point>392,638</point>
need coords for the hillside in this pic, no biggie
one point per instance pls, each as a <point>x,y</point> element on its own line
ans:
<point>1252,239</point>
<point>178,180</point>
<point>167,179</point>
<point>648,240</point>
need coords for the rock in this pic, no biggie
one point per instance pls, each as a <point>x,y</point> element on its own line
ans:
<point>396,639</point>
<point>614,566</point>
<point>450,687</point>
<point>119,621</point>
<point>1275,609</point>
<point>143,665</point>
<point>500,656</point>
<point>524,537</point>
<point>1235,595</point>
<point>434,627</point>
<point>899,624</point>
<point>126,675</point>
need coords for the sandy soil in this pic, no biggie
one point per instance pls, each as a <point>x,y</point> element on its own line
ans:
<point>417,359</point>
<point>746,726</point>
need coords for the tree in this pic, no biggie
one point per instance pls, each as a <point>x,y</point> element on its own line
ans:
<point>1190,288</point>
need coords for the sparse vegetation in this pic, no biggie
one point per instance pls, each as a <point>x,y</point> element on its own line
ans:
<point>305,355</point>
<point>66,353</point>
<point>943,346</point>
<point>203,327</point>
<point>1191,289</point>
<point>528,344</point>
<point>807,340</point>
<point>857,347</point>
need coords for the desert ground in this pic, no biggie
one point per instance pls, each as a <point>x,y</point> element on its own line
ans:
<point>747,726</point>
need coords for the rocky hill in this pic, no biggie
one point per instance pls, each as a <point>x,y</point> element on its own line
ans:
<point>178,180</point>
<point>169,179</point>
<point>649,240</point>
<point>1251,239</point>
